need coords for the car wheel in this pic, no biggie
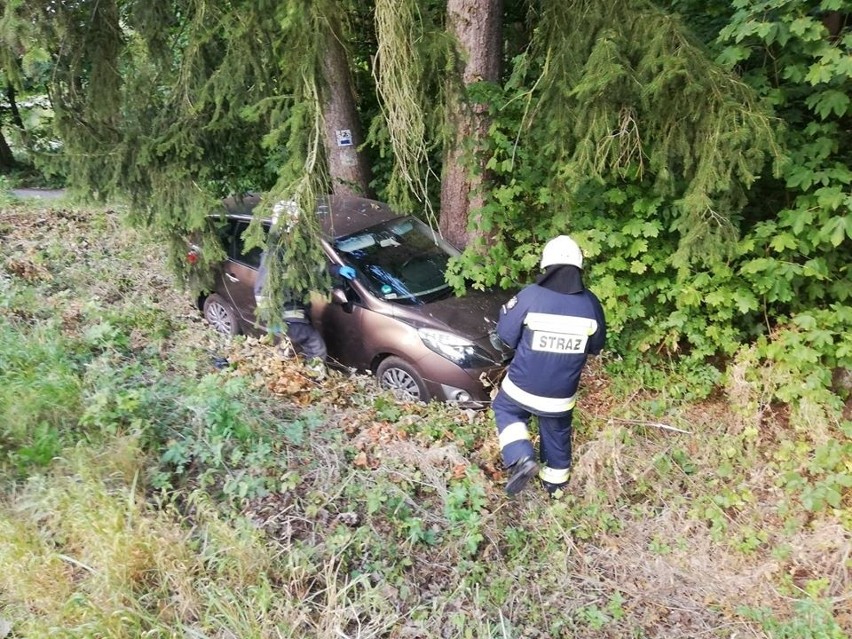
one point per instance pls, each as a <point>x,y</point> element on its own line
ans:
<point>221,315</point>
<point>399,377</point>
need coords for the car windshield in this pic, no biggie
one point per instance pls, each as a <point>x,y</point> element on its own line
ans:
<point>402,260</point>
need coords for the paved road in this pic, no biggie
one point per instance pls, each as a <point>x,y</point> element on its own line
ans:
<point>43,194</point>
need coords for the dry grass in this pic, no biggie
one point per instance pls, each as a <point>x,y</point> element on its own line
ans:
<point>83,549</point>
<point>679,579</point>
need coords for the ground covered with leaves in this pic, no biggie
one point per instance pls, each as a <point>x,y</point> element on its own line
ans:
<point>148,492</point>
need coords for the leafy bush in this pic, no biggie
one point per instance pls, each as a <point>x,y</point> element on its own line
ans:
<point>774,274</point>
<point>227,444</point>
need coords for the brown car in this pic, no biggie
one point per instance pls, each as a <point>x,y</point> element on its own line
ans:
<point>398,318</point>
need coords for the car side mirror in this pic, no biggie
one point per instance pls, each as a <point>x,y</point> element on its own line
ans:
<point>338,296</point>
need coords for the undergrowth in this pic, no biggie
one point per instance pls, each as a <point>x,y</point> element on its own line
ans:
<point>148,493</point>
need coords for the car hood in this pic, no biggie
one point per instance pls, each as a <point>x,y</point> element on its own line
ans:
<point>473,315</point>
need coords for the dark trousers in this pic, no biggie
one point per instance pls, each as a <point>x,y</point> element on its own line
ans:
<point>306,340</point>
<point>555,439</point>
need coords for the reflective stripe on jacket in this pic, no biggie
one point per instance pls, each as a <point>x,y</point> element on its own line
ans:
<point>552,334</point>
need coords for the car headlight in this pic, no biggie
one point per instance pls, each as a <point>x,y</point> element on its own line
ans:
<point>457,349</point>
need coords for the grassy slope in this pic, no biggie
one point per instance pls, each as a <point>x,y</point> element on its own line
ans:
<point>146,491</point>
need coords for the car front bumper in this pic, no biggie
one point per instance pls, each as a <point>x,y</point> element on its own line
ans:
<point>467,388</point>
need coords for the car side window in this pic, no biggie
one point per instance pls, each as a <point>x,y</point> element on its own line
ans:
<point>249,257</point>
<point>225,230</point>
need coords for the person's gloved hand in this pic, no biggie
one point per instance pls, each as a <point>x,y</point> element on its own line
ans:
<point>347,272</point>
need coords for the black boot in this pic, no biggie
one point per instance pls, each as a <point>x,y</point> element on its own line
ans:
<point>555,490</point>
<point>522,471</point>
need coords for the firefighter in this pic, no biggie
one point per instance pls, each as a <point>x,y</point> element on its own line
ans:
<point>301,333</point>
<point>296,312</point>
<point>553,325</point>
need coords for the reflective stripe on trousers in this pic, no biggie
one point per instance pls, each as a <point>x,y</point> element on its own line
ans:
<point>538,403</point>
<point>555,476</point>
<point>512,433</point>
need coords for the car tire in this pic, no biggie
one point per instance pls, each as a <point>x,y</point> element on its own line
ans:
<point>221,315</point>
<point>402,379</point>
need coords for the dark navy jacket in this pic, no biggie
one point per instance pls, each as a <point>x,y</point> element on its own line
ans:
<point>552,334</point>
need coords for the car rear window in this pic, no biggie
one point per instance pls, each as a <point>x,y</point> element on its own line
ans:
<point>232,238</point>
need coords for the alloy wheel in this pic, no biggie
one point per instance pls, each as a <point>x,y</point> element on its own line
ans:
<point>400,382</point>
<point>219,318</point>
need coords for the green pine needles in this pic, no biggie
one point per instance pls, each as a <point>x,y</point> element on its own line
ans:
<point>632,96</point>
<point>706,180</point>
<point>413,74</point>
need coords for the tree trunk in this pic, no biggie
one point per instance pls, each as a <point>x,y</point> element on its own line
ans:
<point>348,168</point>
<point>477,25</point>
<point>833,21</point>
<point>13,107</point>
<point>7,159</point>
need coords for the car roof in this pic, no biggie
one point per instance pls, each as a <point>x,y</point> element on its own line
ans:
<point>338,215</point>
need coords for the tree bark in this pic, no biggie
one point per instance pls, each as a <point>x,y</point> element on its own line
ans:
<point>13,107</point>
<point>7,158</point>
<point>477,25</point>
<point>833,21</point>
<point>348,168</point>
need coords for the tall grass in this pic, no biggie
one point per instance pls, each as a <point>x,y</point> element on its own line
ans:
<point>40,393</point>
<point>84,554</point>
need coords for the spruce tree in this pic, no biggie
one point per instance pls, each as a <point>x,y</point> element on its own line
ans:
<point>175,104</point>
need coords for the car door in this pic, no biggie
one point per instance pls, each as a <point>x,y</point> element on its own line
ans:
<point>239,272</point>
<point>341,326</point>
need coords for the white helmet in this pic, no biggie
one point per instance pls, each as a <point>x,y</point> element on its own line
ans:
<point>561,250</point>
